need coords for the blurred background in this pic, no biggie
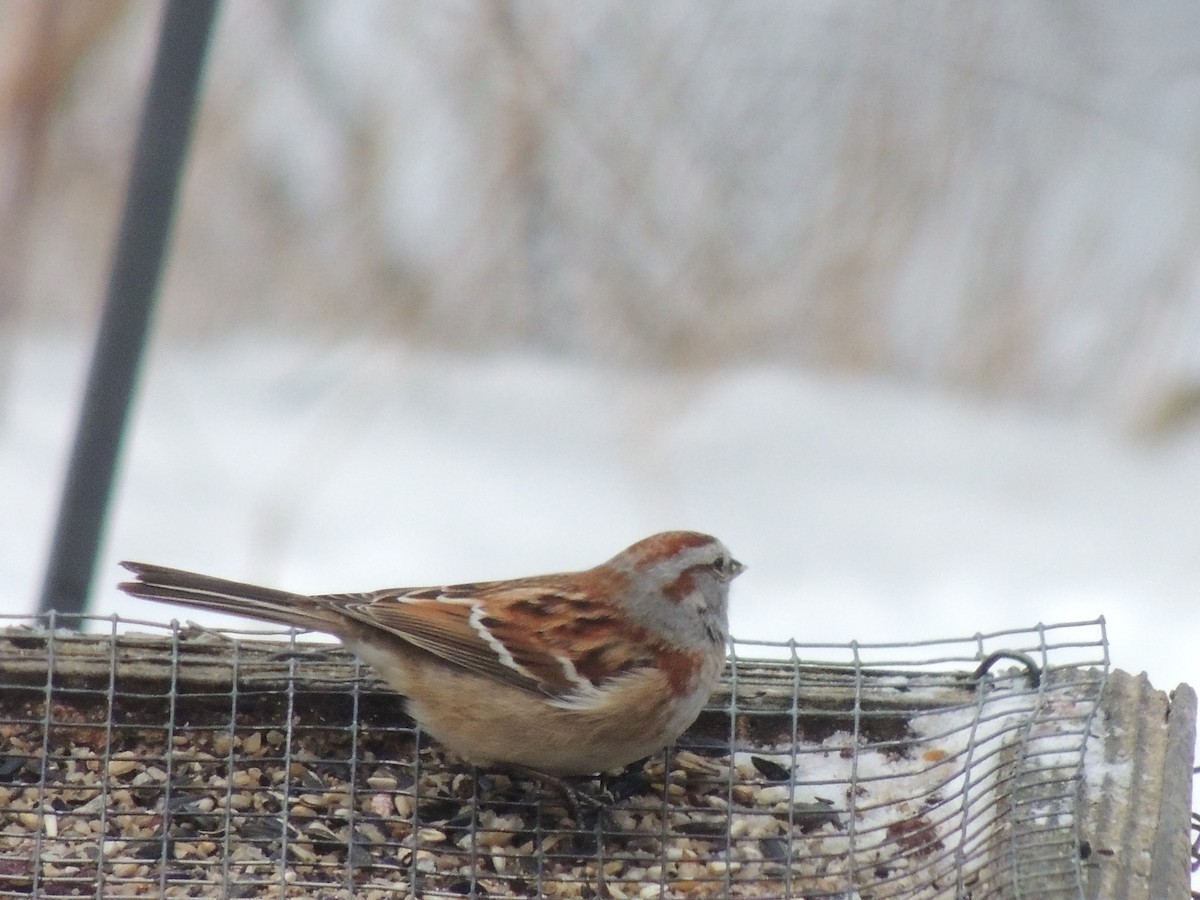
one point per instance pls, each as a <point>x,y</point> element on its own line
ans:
<point>902,301</point>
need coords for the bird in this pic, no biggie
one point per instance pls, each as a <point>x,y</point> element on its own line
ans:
<point>565,674</point>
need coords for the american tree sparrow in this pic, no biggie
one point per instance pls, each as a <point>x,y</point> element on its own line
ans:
<point>566,674</point>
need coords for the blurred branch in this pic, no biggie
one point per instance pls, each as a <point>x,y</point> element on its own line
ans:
<point>41,44</point>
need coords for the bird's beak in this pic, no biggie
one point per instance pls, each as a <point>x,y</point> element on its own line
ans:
<point>735,569</point>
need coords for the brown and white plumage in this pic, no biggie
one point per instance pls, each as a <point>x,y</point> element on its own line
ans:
<point>564,674</point>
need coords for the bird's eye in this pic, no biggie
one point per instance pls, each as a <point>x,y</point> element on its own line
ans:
<point>720,564</point>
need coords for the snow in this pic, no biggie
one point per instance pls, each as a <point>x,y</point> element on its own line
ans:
<point>918,812</point>
<point>865,509</point>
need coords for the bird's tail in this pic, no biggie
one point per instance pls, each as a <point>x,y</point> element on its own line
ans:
<point>220,595</point>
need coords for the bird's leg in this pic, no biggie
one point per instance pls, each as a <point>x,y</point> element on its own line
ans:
<point>574,798</point>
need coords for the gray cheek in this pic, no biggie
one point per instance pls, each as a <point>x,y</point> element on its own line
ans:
<point>694,618</point>
<point>708,611</point>
<point>714,596</point>
<point>697,621</point>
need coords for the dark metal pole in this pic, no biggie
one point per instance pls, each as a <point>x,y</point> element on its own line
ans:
<point>162,143</point>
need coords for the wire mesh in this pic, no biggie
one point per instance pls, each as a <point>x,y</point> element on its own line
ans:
<point>174,761</point>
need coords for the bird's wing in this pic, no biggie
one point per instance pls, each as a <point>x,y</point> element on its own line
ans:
<point>554,636</point>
